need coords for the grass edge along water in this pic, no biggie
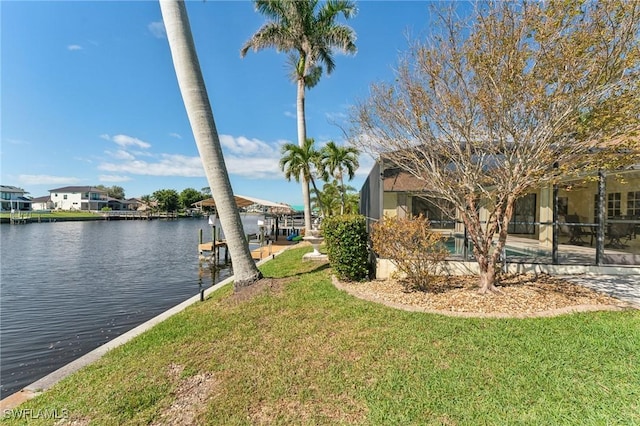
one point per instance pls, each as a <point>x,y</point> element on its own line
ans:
<point>303,352</point>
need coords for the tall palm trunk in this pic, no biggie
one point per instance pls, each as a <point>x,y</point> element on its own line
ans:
<point>196,101</point>
<point>302,136</point>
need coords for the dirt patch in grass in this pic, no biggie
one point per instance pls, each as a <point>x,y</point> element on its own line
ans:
<point>287,409</point>
<point>520,296</point>
<point>191,396</point>
<point>274,286</point>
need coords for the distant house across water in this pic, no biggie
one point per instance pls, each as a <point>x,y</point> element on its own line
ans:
<point>41,203</point>
<point>78,198</point>
<point>13,199</point>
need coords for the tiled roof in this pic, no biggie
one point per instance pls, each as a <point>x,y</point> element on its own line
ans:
<point>14,189</point>
<point>399,181</point>
<point>78,189</point>
<point>42,199</point>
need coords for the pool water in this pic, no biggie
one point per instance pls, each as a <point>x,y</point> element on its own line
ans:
<point>455,245</point>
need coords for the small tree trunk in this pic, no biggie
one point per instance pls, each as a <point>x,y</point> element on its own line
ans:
<point>487,276</point>
<point>315,189</point>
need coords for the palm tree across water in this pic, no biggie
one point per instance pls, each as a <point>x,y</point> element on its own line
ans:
<point>307,30</point>
<point>301,162</point>
<point>196,102</point>
<point>336,160</point>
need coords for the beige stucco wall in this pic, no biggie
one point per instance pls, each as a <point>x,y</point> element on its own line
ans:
<point>396,204</point>
<point>545,214</point>
<point>389,204</point>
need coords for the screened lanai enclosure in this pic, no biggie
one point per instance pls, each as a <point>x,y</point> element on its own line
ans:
<point>594,220</point>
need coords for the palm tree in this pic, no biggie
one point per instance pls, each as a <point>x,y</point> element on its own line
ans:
<point>309,38</point>
<point>196,102</point>
<point>329,197</point>
<point>352,204</point>
<point>299,162</point>
<point>336,160</point>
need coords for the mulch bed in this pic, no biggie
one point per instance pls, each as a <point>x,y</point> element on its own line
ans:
<point>520,296</point>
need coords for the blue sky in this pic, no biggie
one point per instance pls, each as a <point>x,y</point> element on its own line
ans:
<point>89,94</point>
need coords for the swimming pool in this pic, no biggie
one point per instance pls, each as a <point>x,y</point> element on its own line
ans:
<point>455,245</point>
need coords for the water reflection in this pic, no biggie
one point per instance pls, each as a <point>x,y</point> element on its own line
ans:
<point>69,287</point>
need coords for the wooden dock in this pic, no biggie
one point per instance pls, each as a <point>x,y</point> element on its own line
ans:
<point>266,249</point>
<point>271,248</point>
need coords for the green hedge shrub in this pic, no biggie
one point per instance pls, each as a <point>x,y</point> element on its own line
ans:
<point>346,237</point>
<point>412,246</point>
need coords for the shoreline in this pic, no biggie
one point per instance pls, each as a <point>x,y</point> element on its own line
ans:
<point>50,219</point>
<point>36,388</point>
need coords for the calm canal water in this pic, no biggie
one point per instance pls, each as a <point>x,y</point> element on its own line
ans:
<point>68,287</point>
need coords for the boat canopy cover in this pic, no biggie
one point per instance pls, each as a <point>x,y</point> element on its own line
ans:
<point>244,201</point>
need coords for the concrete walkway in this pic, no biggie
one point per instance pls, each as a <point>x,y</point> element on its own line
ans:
<point>623,287</point>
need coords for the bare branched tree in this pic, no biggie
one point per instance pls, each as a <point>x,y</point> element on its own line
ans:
<point>484,109</point>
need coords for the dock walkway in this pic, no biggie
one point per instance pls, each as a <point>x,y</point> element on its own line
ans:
<point>267,248</point>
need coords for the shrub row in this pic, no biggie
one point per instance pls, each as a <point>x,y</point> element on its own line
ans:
<point>346,239</point>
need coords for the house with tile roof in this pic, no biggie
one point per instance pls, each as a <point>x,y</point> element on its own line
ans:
<point>13,198</point>
<point>559,223</point>
<point>41,203</point>
<point>78,198</point>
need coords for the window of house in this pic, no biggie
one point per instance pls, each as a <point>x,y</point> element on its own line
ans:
<point>6,196</point>
<point>633,203</point>
<point>64,196</point>
<point>614,204</point>
<point>524,215</point>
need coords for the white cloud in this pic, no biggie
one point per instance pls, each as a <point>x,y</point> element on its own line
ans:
<point>366,162</point>
<point>47,180</point>
<point>83,159</point>
<point>290,114</point>
<point>73,47</point>
<point>121,155</point>
<point>113,178</point>
<point>167,165</point>
<point>248,157</point>
<point>157,29</point>
<point>254,168</point>
<point>248,147</point>
<point>125,141</point>
<point>175,135</point>
<point>252,158</point>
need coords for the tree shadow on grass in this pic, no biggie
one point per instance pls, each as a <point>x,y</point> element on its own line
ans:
<point>313,267</point>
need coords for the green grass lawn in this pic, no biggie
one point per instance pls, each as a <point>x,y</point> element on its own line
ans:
<point>307,353</point>
<point>55,215</point>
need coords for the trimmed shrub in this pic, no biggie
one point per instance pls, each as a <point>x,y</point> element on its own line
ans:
<point>346,239</point>
<point>411,245</point>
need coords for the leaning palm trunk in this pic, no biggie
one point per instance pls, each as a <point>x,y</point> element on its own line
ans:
<point>302,136</point>
<point>196,101</point>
